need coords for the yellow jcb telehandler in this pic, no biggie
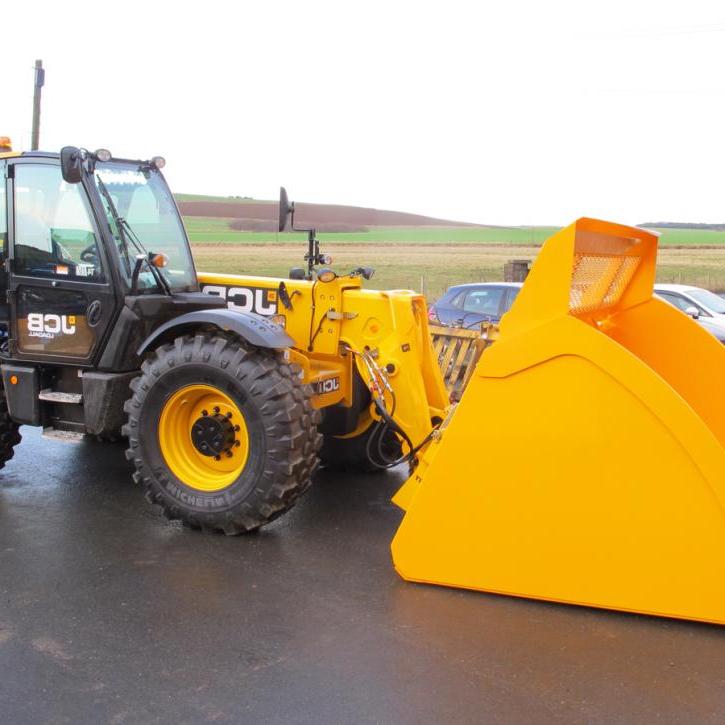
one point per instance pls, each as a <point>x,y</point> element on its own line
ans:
<point>228,388</point>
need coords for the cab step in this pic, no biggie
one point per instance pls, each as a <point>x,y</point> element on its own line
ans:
<point>66,436</point>
<point>55,396</point>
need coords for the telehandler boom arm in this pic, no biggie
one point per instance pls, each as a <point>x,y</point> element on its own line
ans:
<point>339,332</point>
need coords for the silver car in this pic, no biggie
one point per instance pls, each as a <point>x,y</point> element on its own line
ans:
<point>707,308</point>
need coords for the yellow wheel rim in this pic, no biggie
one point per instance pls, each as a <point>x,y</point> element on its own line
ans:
<point>200,417</point>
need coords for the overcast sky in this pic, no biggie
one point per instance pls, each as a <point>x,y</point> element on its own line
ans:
<point>495,112</point>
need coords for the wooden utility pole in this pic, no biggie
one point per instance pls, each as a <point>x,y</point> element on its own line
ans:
<point>39,81</point>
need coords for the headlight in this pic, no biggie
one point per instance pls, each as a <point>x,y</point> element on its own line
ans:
<point>326,275</point>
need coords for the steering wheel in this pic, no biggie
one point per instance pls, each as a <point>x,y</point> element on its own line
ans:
<point>90,254</point>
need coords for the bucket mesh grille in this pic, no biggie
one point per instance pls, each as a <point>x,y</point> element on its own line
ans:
<point>599,280</point>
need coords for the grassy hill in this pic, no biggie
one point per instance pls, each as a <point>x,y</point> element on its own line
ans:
<point>217,220</point>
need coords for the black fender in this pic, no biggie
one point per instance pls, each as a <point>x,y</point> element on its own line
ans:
<point>257,330</point>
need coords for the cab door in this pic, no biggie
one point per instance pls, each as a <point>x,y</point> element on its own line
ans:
<point>62,301</point>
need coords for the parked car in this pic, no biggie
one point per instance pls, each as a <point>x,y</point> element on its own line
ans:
<point>468,305</point>
<point>702,305</point>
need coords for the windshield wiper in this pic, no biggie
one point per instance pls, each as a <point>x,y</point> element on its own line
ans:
<point>126,232</point>
<point>117,221</point>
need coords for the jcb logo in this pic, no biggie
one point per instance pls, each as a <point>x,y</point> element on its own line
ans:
<point>326,386</point>
<point>246,299</point>
<point>40,325</point>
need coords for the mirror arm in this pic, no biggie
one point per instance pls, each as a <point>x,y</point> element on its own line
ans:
<point>140,259</point>
<point>160,280</point>
<point>313,250</point>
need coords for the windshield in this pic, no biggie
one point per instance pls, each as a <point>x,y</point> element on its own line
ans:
<point>708,299</point>
<point>143,199</point>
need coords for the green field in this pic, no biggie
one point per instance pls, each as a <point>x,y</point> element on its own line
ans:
<point>215,230</point>
<point>691,237</point>
<point>428,258</point>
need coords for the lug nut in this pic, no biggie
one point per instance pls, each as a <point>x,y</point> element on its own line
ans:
<point>229,414</point>
<point>237,444</point>
<point>229,454</point>
<point>205,412</point>
<point>217,458</point>
<point>236,427</point>
<point>216,408</point>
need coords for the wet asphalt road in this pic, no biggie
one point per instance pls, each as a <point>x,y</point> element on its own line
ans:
<point>110,614</point>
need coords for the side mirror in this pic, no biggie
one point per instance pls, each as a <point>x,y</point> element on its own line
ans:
<point>71,164</point>
<point>692,311</point>
<point>286,209</point>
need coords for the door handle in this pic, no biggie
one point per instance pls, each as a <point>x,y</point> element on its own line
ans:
<point>93,313</point>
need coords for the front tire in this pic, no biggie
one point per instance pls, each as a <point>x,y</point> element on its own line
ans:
<point>222,436</point>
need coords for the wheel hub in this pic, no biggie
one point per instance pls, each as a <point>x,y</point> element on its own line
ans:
<point>213,435</point>
<point>203,437</point>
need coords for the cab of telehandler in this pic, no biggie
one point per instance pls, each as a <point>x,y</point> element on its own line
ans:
<point>96,261</point>
<point>83,236</point>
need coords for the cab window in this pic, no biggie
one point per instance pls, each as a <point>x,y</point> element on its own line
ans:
<point>141,197</point>
<point>54,231</point>
<point>3,213</point>
<point>4,310</point>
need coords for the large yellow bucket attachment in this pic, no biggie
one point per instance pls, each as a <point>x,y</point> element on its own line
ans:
<point>585,462</point>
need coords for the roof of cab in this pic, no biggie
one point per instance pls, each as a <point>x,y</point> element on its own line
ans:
<point>54,155</point>
<point>29,154</point>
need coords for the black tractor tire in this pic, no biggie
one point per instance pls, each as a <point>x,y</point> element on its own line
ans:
<point>281,426</point>
<point>353,454</point>
<point>9,432</point>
